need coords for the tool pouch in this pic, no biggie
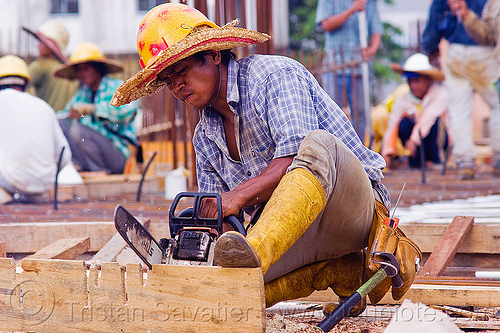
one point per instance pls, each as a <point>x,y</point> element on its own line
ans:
<point>384,238</point>
<point>409,256</point>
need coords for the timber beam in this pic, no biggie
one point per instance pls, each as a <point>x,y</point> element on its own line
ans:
<point>23,237</point>
<point>433,294</point>
<point>31,236</point>
<point>69,296</point>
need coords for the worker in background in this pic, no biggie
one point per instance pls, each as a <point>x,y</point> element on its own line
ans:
<point>53,38</point>
<point>469,68</point>
<point>31,140</point>
<point>419,116</point>
<point>98,133</point>
<point>339,19</point>
<point>268,135</point>
<point>486,31</point>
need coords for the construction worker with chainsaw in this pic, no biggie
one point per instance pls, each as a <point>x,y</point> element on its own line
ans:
<point>31,140</point>
<point>99,134</point>
<point>268,135</point>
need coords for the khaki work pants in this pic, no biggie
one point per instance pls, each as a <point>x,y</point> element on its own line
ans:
<point>344,224</point>
<point>469,69</point>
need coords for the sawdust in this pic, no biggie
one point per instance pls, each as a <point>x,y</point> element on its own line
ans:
<point>276,323</point>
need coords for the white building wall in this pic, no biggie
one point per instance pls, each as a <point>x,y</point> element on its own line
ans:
<point>280,24</point>
<point>113,27</point>
<point>111,24</point>
<point>13,15</point>
<point>404,14</point>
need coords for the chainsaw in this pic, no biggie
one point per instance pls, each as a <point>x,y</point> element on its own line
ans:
<point>192,238</point>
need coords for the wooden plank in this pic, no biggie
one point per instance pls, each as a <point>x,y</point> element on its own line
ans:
<point>482,238</point>
<point>109,251</point>
<point>7,288</point>
<point>112,248</point>
<point>64,248</point>
<point>32,236</point>
<point>4,196</point>
<point>128,256</point>
<point>453,295</point>
<point>3,253</point>
<point>469,324</point>
<point>105,186</point>
<point>447,246</point>
<point>73,298</point>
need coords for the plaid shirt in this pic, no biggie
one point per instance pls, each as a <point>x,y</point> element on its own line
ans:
<point>106,118</point>
<point>346,38</point>
<point>276,102</point>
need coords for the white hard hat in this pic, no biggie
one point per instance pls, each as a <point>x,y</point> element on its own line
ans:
<point>419,63</point>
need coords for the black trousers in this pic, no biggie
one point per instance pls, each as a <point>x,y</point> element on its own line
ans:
<point>430,142</point>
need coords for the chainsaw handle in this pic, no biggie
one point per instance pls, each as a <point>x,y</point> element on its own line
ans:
<point>231,219</point>
<point>236,224</point>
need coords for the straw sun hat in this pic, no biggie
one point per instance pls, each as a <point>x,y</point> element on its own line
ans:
<point>171,32</point>
<point>54,35</point>
<point>418,63</point>
<point>86,52</point>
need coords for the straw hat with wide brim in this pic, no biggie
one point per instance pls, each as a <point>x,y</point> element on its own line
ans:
<point>201,39</point>
<point>418,63</point>
<point>53,35</point>
<point>83,53</point>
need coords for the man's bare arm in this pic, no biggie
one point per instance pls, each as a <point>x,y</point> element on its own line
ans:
<point>482,30</point>
<point>334,22</point>
<point>251,192</point>
<point>369,52</point>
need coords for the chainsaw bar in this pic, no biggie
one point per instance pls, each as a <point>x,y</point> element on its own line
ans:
<point>192,237</point>
<point>137,237</point>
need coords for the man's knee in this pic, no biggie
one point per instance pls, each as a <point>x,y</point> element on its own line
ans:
<point>318,154</point>
<point>321,140</point>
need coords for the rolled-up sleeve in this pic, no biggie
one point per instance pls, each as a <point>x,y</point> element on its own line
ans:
<point>373,19</point>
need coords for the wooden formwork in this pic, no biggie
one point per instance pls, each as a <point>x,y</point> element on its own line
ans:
<point>102,186</point>
<point>51,291</point>
<point>50,295</point>
<point>113,294</point>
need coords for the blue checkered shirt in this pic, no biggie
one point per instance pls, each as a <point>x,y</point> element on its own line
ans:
<point>346,37</point>
<point>276,102</point>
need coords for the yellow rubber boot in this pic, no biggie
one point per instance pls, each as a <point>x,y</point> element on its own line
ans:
<point>344,276</point>
<point>296,284</point>
<point>292,208</point>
